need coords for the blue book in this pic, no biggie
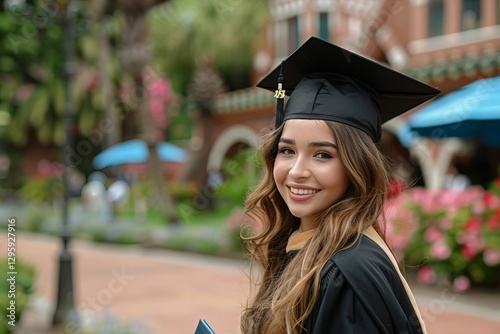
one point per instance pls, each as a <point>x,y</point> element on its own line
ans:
<point>204,328</point>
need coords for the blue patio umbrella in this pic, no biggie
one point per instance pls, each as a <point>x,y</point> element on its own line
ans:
<point>136,151</point>
<point>470,112</point>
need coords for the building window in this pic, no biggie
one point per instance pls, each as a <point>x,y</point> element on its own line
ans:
<point>471,14</point>
<point>323,26</point>
<point>436,18</point>
<point>293,34</point>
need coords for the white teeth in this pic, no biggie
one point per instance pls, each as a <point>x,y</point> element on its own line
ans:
<point>303,191</point>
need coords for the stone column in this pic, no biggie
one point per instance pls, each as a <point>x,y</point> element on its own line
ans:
<point>434,158</point>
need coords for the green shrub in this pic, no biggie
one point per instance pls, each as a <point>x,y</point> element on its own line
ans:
<point>200,239</point>
<point>44,190</point>
<point>450,235</point>
<point>240,173</point>
<point>35,216</point>
<point>24,280</point>
<point>119,232</point>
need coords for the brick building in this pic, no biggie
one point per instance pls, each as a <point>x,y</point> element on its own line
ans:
<point>446,43</point>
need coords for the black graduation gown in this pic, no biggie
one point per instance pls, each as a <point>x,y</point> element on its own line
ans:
<point>361,292</point>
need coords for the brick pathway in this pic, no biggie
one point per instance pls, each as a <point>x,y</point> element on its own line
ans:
<point>169,291</point>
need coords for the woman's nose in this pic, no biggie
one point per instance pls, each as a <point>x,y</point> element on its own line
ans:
<point>299,169</point>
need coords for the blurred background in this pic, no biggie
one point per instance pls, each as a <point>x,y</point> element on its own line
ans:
<point>129,128</point>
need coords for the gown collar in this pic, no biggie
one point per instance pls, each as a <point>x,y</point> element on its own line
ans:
<point>298,239</point>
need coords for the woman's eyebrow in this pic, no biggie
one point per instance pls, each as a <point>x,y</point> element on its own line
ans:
<point>322,144</point>
<point>287,141</point>
<point>312,144</point>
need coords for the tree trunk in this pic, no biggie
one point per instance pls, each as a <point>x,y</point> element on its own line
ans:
<point>135,57</point>
<point>110,137</point>
<point>204,199</point>
<point>205,87</point>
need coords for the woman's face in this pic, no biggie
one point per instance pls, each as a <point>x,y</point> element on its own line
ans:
<point>307,171</point>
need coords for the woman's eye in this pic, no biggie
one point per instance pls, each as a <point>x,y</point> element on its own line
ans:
<point>285,151</point>
<point>323,155</point>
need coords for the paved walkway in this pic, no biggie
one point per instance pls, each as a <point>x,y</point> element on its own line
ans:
<point>169,291</point>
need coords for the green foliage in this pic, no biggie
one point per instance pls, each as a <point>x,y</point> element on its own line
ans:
<point>35,217</point>
<point>215,219</point>
<point>182,192</point>
<point>201,239</point>
<point>44,190</point>
<point>181,121</point>
<point>223,31</point>
<point>24,281</point>
<point>118,233</point>
<point>143,198</point>
<point>240,173</point>
<point>32,87</point>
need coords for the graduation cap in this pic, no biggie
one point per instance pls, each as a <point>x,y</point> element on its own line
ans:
<point>327,82</point>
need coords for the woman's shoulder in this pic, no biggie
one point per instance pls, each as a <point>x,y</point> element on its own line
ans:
<point>363,259</point>
<point>361,283</point>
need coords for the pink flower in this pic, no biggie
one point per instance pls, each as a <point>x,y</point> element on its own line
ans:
<point>446,223</point>
<point>472,243</point>
<point>493,223</point>
<point>440,250</point>
<point>451,223</point>
<point>473,225</point>
<point>468,252</point>
<point>478,207</point>
<point>433,202</point>
<point>491,257</point>
<point>469,196</point>
<point>491,200</point>
<point>449,199</point>
<point>159,94</point>
<point>418,195</point>
<point>461,284</point>
<point>48,169</point>
<point>426,275</point>
<point>400,222</point>
<point>399,241</point>
<point>396,187</point>
<point>433,233</point>
<point>393,207</point>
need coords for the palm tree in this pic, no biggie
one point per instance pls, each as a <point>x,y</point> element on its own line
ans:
<point>197,43</point>
<point>204,87</point>
<point>104,22</point>
<point>135,58</point>
<point>185,31</point>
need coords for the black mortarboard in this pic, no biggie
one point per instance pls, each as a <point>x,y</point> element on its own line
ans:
<point>328,82</point>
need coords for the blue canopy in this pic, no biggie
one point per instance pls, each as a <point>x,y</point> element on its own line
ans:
<point>470,112</point>
<point>136,151</point>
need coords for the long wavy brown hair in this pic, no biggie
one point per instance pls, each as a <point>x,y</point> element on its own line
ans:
<point>286,290</point>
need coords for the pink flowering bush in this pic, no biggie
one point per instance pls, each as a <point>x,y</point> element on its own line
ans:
<point>448,234</point>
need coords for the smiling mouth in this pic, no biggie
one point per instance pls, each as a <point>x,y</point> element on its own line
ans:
<point>298,191</point>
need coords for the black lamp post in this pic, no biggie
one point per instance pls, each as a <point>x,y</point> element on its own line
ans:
<point>65,300</point>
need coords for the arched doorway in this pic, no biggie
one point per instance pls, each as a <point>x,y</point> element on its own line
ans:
<point>229,141</point>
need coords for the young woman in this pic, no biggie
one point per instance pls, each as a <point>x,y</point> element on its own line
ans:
<point>324,265</point>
